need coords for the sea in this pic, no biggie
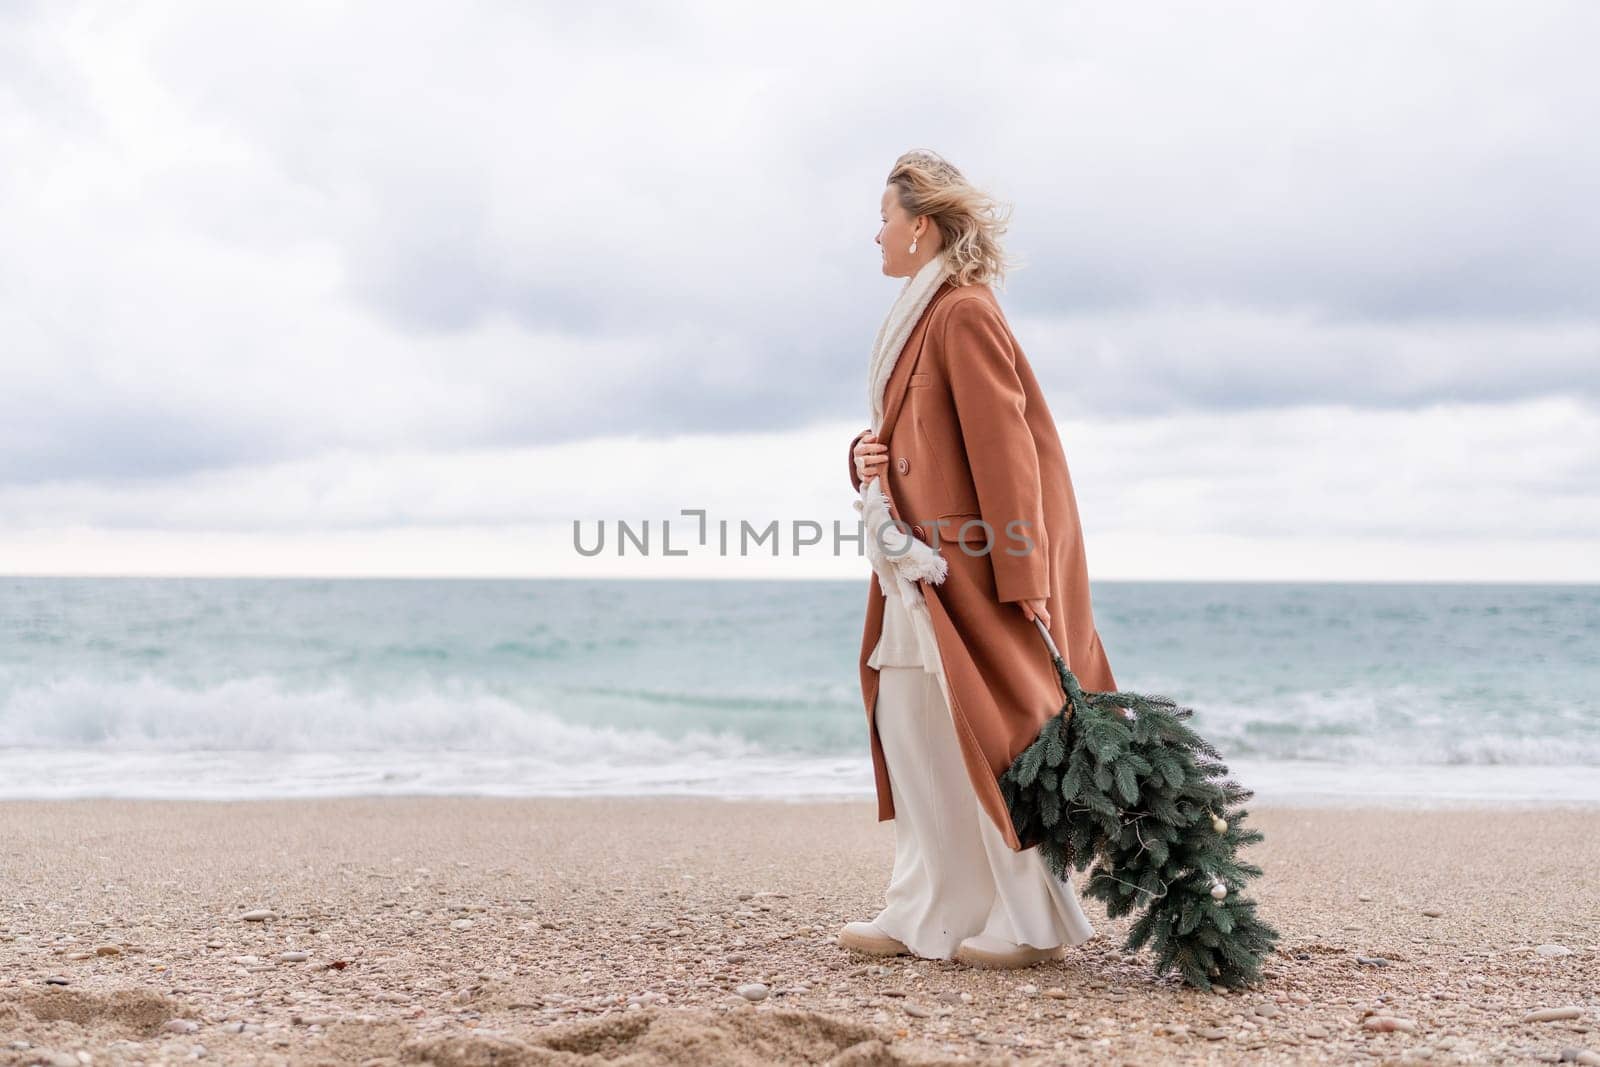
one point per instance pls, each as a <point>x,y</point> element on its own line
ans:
<point>1324,694</point>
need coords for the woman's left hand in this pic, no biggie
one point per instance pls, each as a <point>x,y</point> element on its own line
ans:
<point>1031,608</point>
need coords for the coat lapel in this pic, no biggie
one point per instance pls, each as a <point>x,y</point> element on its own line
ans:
<point>894,390</point>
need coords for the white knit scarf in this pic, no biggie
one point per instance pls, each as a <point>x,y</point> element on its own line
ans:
<point>900,559</point>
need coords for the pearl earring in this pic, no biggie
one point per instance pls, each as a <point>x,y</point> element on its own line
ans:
<point>913,244</point>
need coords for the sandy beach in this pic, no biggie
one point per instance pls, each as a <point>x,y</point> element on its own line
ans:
<point>694,931</point>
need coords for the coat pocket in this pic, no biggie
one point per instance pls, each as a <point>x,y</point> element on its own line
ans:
<point>968,528</point>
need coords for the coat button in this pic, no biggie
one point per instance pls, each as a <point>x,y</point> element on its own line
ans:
<point>917,531</point>
<point>902,465</point>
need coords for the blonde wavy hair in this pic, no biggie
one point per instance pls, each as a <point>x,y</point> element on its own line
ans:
<point>969,221</point>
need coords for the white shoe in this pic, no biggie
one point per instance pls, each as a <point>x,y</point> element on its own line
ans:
<point>983,950</point>
<point>865,937</point>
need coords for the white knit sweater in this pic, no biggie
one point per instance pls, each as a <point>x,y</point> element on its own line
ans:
<point>899,559</point>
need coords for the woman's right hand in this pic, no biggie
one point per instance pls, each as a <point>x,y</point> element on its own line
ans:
<point>871,457</point>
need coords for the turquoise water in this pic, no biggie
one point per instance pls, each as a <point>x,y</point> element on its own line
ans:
<point>229,688</point>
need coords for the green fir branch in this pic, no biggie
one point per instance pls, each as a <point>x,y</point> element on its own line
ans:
<point>1119,781</point>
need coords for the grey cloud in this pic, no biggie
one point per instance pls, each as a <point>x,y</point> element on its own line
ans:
<point>124,446</point>
<point>537,223</point>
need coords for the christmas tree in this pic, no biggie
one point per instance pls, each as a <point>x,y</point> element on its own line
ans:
<point>1118,780</point>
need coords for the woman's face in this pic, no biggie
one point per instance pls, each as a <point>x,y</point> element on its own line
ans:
<point>895,237</point>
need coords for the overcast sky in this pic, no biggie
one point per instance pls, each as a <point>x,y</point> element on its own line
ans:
<point>407,289</point>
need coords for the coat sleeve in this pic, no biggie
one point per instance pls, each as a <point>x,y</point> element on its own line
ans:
<point>854,481</point>
<point>990,404</point>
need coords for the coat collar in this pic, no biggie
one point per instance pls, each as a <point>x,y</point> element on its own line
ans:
<point>894,391</point>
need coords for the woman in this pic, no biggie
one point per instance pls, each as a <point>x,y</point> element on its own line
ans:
<point>964,457</point>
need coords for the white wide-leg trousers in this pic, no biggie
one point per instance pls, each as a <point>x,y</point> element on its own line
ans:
<point>954,876</point>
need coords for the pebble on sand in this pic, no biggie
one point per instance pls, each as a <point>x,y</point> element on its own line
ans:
<point>752,991</point>
<point>1389,1024</point>
<point>1550,1015</point>
<point>258,915</point>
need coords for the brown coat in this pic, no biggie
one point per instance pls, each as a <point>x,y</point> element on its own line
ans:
<point>970,437</point>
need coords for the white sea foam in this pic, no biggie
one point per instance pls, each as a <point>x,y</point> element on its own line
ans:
<point>256,738</point>
<point>261,715</point>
